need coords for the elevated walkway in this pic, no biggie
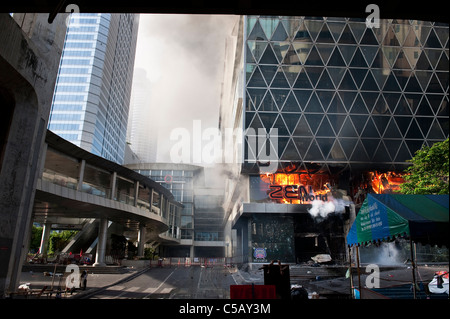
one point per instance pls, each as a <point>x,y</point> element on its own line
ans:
<point>50,268</point>
<point>78,189</point>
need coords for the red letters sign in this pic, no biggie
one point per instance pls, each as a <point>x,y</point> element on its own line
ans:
<point>298,192</point>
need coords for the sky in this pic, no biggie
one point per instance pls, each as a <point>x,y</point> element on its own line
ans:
<point>184,59</point>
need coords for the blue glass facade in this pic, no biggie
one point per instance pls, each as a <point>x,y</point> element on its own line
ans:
<point>92,92</point>
<point>342,94</point>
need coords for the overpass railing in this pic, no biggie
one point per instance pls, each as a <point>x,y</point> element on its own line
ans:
<point>188,262</point>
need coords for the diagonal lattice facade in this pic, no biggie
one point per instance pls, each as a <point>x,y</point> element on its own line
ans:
<point>341,93</point>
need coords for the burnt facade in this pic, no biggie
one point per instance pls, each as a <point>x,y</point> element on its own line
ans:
<point>343,107</point>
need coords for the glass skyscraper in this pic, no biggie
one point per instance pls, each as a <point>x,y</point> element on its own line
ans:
<point>92,93</point>
<point>142,137</point>
<point>351,105</point>
<point>342,93</point>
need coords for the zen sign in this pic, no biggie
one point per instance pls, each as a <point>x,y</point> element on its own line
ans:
<point>297,192</point>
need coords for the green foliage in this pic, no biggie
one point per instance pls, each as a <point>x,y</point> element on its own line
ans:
<point>149,253</point>
<point>430,171</point>
<point>58,240</point>
<point>35,240</point>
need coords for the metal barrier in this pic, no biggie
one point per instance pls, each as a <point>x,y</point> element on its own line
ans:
<point>188,262</point>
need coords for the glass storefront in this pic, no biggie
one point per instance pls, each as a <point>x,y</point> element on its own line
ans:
<point>272,238</point>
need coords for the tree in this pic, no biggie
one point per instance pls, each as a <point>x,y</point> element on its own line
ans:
<point>58,240</point>
<point>429,171</point>
<point>118,246</point>
<point>35,240</point>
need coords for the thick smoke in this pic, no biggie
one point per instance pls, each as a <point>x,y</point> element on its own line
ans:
<point>183,56</point>
<point>387,253</point>
<point>323,208</point>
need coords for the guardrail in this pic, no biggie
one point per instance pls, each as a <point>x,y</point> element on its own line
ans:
<point>188,262</point>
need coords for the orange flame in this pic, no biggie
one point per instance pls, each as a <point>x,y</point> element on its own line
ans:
<point>317,181</point>
<point>383,183</point>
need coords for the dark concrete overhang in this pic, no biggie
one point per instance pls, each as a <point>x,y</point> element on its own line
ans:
<point>248,209</point>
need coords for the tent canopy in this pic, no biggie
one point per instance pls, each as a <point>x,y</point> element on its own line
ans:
<point>423,218</point>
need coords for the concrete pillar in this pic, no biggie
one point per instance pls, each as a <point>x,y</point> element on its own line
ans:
<point>26,243</point>
<point>113,185</point>
<point>174,234</point>
<point>101,244</point>
<point>44,239</point>
<point>247,241</point>
<point>43,158</point>
<point>29,61</point>
<point>191,252</point>
<point>81,175</point>
<point>136,193</point>
<point>141,240</point>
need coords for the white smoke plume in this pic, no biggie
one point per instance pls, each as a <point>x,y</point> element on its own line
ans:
<point>386,253</point>
<point>389,254</point>
<point>323,208</point>
<point>184,59</point>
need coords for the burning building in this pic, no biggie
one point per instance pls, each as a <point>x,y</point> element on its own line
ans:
<point>330,110</point>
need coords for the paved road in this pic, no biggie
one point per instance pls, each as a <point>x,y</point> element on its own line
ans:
<point>173,283</point>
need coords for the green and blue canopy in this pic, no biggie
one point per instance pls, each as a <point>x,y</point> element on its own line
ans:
<point>383,217</point>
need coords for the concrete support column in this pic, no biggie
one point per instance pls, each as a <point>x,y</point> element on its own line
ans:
<point>191,252</point>
<point>42,160</point>
<point>113,185</point>
<point>141,240</point>
<point>247,240</point>
<point>44,239</point>
<point>81,175</point>
<point>29,59</point>
<point>151,198</point>
<point>101,244</point>
<point>174,213</point>
<point>136,193</point>
<point>26,243</point>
